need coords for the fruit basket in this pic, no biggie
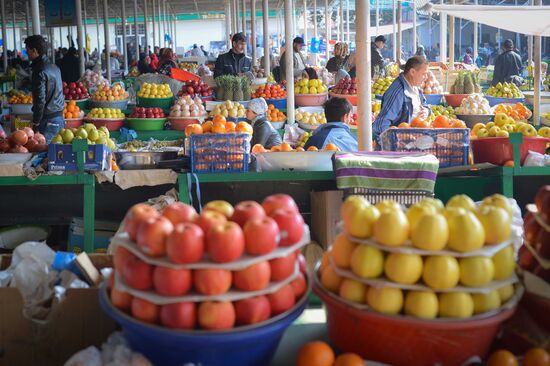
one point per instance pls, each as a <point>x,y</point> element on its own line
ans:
<point>454,100</point>
<point>308,126</point>
<point>20,109</point>
<point>118,104</point>
<point>493,101</point>
<point>220,153</point>
<point>498,150</point>
<point>433,99</point>
<point>310,100</point>
<point>278,125</point>
<point>295,161</point>
<point>164,103</point>
<point>73,122</point>
<point>352,98</point>
<point>112,124</point>
<point>179,123</point>
<point>472,119</point>
<point>82,103</point>
<point>146,124</point>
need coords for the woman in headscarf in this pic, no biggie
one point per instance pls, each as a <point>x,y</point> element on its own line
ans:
<point>341,54</point>
<point>420,52</point>
<point>263,133</point>
<point>167,62</point>
<point>144,64</point>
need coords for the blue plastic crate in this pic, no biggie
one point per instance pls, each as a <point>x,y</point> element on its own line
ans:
<point>449,145</point>
<point>279,103</point>
<point>62,158</point>
<point>493,101</point>
<point>433,99</point>
<point>220,153</point>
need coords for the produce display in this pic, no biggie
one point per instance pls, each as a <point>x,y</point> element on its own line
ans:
<point>75,91</point>
<point>502,126</point>
<point>151,145</point>
<point>518,111</point>
<point>194,88</point>
<point>107,113</point>
<point>141,112</point>
<point>155,91</point>
<point>466,82</point>
<point>189,66</point>
<point>505,90</point>
<point>438,110</point>
<point>380,86</point>
<point>474,104</point>
<point>440,121</point>
<point>134,71</point>
<point>106,93</point>
<point>346,86</point>
<point>393,70</point>
<point>270,91</point>
<point>318,353</point>
<point>223,268</point>
<point>89,132</point>
<point>218,125</point>
<point>229,109</point>
<point>188,107</point>
<point>310,118</point>
<point>310,86</point>
<point>431,85</point>
<point>303,139</point>
<point>286,147</point>
<point>536,356</point>
<point>233,88</point>
<point>326,77</point>
<point>258,72</point>
<point>20,99</point>
<point>23,141</point>
<point>429,261</point>
<point>72,111</point>
<point>275,115</point>
<point>92,79</point>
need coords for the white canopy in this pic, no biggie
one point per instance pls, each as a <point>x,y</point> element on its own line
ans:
<point>529,20</point>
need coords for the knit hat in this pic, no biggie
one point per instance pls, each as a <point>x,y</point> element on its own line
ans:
<point>258,106</point>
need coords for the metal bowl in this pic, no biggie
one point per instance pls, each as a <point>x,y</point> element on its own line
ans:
<point>142,160</point>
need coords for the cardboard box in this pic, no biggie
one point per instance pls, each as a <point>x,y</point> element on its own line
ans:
<point>325,216</point>
<point>62,158</point>
<point>76,323</point>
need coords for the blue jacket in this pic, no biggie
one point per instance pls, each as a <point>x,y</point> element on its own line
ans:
<point>336,133</point>
<point>396,107</point>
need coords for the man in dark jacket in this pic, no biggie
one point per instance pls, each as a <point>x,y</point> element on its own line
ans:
<point>69,65</point>
<point>508,65</point>
<point>377,61</point>
<point>47,89</point>
<point>234,62</point>
<point>263,133</point>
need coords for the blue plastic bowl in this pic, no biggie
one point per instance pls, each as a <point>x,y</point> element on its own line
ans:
<point>493,101</point>
<point>433,99</point>
<point>278,103</point>
<point>245,346</point>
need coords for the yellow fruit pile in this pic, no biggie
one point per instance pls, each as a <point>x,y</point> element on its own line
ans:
<point>99,113</point>
<point>502,126</point>
<point>155,91</point>
<point>380,86</point>
<point>313,86</point>
<point>420,272</point>
<point>20,99</point>
<point>105,93</point>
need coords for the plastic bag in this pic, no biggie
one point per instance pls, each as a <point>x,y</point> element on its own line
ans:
<point>536,159</point>
<point>292,134</point>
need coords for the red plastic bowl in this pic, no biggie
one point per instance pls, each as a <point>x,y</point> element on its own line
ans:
<point>310,100</point>
<point>111,124</point>
<point>352,98</point>
<point>73,122</point>
<point>179,123</point>
<point>497,150</point>
<point>538,307</point>
<point>403,341</point>
<point>454,100</point>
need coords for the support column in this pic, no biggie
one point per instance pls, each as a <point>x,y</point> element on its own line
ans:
<point>348,37</point>
<point>236,16</point>
<point>153,15</point>
<point>476,39</point>
<point>399,32</point>
<point>341,28</point>
<point>35,13</point>
<point>452,42</point>
<point>60,36</point>
<point>305,25</point>
<point>289,63</point>
<point>146,25</point>
<point>377,17</point>
<point>243,18</point>
<point>327,31</point>
<point>443,36</point>
<point>536,76</point>
<point>164,25</point>
<point>228,23</point>
<point>175,27</point>
<point>27,18</point>
<point>414,30</point>
<point>124,41</point>
<point>136,33</point>
<point>529,46</point>
<point>4,34</point>
<point>159,23</point>
<point>52,46</point>
<point>364,107</point>
<point>107,38</point>
<point>14,26</point>
<point>85,21</point>
<point>253,29</point>
<point>80,37</point>
<point>394,30</point>
<point>315,29</point>
<point>267,52</point>
<point>97,27</point>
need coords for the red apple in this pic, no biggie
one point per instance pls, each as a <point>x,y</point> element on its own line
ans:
<point>261,236</point>
<point>253,310</point>
<point>212,281</point>
<point>220,206</point>
<point>145,311</point>
<point>225,242</point>
<point>247,210</point>
<point>302,263</point>
<point>209,219</point>
<point>136,215</point>
<point>531,227</point>
<point>137,274</point>
<point>179,212</point>
<point>253,278</point>
<point>291,226</point>
<point>526,259</point>
<point>120,257</point>
<point>282,300</point>
<point>276,201</point>
<point>185,244</point>
<point>299,285</point>
<point>121,300</point>
<point>172,282</point>
<point>181,315</point>
<point>542,244</point>
<point>152,235</point>
<point>216,315</point>
<point>283,267</point>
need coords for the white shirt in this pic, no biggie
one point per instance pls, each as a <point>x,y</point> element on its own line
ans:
<point>413,92</point>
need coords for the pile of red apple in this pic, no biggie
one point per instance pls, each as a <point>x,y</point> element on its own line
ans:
<point>220,234</point>
<point>346,86</point>
<point>23,141</point>
<point>75,91</point>
<point>196,88</point>
<point>537,236</point>
<point>142,112</point>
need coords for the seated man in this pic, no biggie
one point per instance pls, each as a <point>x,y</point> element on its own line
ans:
<point>264,134</point>
<point>338,112</point>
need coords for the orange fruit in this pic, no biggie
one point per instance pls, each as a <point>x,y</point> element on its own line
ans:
<point>300,149</point>
<point>441,122</point>
<point>331,147</point>
<point>502,357</point>
<point>509,163</point>
<point>218,127</point>
<point>219,118</point>
<point>312,148</point>
<point>456,123</point>
<point>230,126</point>
<point>258,148</point>
<point>349,359</point>
<point>416,121</point>
<point>403,125</point>
<point>244,127</point>
<point>193,129</point>
<point>536,357</point>
<point>276,148</point>
<point>422,124</point>
<point>315,354</point>
<point>285,146</point>
<point>207,127</point>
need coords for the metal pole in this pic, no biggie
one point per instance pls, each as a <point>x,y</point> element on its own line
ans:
<point>136,33</point>
<point>124,41</point>
<point>452,42</point>
<point>267,53</point>
<point>414,30</point>
<point>315,30</point>
<point>327,31</point>
<point>305,25</point>
<point>4,35</point>
<point>107,39</point>
<point>289,64</point>
<point>164,25</point>
<point>341,32</point>
<point>60,36</point>
<point>347,22</point>
<point>394,30</point>
<point>443,36</point>
<point>530,45</point>
<point>175,24</point>
<point>518,38</point>
<point>537,76</point>
<point>153,24</point>
<point>228,23</point>
<point>27,18</point>
<point>97,26</point>
<point>237,16</point>
<point>52,47</point>
<point>243,18</point>
<point>364,108</point>
<point>146,25</point>
<point>13,23</point>
<point>159,23</point>
<point>476,39</point>
<point>377,17</point>
<point>253,29</point>
<point>459,38</point>
<point>80,36</point>
<point>399,32</point>
<point>35,14</point>
<point>85,21</point>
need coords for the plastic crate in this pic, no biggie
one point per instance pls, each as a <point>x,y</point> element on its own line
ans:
<point>219,153</point>
<point>62,158</point>
<point>449,145</point>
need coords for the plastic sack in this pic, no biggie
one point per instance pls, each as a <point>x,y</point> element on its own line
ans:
<point>292,134</point>
<point>536,159</point>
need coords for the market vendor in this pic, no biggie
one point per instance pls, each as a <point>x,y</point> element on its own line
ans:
<point>48,101</point>
<point>297,59</point>
<point>404,99</point>
<point>338,112</point>
<point>508,65</point>
<point>234,62</point>
<point>263,132</point>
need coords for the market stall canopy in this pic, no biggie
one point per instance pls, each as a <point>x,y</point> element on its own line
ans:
<point>529,20</point>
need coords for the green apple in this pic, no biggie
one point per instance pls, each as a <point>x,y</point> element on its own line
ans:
<point>528,130</point>
<point>88,127</point>
<point>57,140</point>
<point>494,131</point>
<point>67,136</point>
<point>105,131</point>
<point>482,132</point>
<point>503,133</point>
<point>81,134</point>
<point>93,135</point>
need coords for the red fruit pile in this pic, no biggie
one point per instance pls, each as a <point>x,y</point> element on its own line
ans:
<point>23,141</point>
<point>75,91</point>
<point>196,88</point>
<point>141,112</point>
<point>346,86</point>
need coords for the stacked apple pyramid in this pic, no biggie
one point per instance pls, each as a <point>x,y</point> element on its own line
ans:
<point>227,267</point>
<point>429,261</point>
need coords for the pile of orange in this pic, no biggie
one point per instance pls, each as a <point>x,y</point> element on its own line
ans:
<point>517,111</point>
<point>218,125</point>
<point>285,147</point>
<point>20,99</point>
<point>533,357</point>
<point>270,91</point>
<point>319,353</point>
<point>439,122</point>
<point>275,115</point>
<point>71,110</point>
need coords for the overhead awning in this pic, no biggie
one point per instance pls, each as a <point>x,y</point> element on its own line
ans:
<point>529,20</point>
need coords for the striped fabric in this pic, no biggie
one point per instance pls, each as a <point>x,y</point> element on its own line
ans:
<point>386,170</point>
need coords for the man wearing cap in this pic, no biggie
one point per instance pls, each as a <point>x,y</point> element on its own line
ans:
<point>507,65</point>
<point>377,61</point>
<point>234,62</point>
<point>298,59</point>
<point>263,133</point>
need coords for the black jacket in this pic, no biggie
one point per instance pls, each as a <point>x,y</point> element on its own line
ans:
<point>265,134</point>
<point>376,59</point>
<point>70,68</point>
<point>336,63</point>
<point>232,64</point>
<point>47,90</point>
<point>507,64</point>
